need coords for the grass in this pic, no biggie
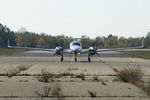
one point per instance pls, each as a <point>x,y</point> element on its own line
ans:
<point>12,72</point>
<point>51,91</point>
<point>45,92</point>
<point>92,93</point>
<point>102,82</point>
<point>95,78</point>
<point>45,76</point>
<point>65,74</point>
<point>82,76</point>
<point>71,69</point>
<point>140,54</point>
<point>131,74</point>
<point>6,51</point>
<point>57,90</point>
<point>146,88</point>
<point>22,68</point>
<point>15,71</point>
<point>134,75</point>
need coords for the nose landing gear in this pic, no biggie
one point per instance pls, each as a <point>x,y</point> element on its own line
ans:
<point>75,57</point>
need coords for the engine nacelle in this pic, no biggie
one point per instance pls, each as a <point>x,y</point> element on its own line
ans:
<point>58,50</point>
<point>92,51</point>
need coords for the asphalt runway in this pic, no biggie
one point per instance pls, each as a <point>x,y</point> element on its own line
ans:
<point>42,59</point>
<point>22,87</point>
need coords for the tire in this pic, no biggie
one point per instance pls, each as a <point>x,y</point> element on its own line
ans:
<point>75,59</point>
<point>89,59</point>
<point>62,59</point>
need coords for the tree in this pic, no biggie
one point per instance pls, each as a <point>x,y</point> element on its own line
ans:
<point>147,40</point>
<point>31,39</point>
<point>27,39</point>
<point>5,35</point>
<point>110,41</point>
<point>87,42</point>
<point>123,42</point>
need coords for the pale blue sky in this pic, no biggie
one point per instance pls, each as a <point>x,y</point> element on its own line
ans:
<point>78,17</point>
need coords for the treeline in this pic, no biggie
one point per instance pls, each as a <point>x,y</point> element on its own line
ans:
<point>31,39</point>
<point>5,34</point>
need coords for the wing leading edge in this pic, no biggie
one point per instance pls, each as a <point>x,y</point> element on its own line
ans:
<point>114,49</point>
<point>30,48</point>
<point>126,48</point>
<point>41,49</point>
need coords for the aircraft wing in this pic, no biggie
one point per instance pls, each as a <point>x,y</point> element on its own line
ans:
<point>30,48</point>
<point>115,49</point>
<point>84,51</point>
<point>66,51</point>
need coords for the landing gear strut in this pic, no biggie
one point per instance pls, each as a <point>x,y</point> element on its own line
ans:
<point>62,58</point>
<point>75,58</point>
<point>89,59</point>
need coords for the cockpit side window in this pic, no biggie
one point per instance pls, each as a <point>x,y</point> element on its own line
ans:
<point>76,43</point>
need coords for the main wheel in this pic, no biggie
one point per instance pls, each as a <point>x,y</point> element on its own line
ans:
<point>62,59</point>
<point>75,59</point>
<point>89,59</point>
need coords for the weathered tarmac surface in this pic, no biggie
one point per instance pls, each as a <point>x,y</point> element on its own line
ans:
<point>108,87</point>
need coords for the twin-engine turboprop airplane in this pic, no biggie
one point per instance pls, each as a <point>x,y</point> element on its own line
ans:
<point>75,49</point>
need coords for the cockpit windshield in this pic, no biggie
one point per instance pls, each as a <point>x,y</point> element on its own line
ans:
<point>76,43</point>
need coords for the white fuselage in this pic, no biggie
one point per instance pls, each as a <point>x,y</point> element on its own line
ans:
<point>75,47</point>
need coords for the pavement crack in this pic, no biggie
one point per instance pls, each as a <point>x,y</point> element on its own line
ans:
<point>114,69</point>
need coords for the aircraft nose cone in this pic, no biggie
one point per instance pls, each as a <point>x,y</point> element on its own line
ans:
<point>76,48</point>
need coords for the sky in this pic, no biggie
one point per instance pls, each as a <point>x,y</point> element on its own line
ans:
<point>128,18</point>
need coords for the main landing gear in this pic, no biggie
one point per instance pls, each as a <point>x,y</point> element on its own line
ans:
<point>62,58</point>
<point>89,59</point>
<point>75,58</point>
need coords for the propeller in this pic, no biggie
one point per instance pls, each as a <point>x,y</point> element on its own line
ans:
<point>58,48</point>
<point>93,49</point>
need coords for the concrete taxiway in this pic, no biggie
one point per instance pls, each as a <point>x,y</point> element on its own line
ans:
<point>108,87</point>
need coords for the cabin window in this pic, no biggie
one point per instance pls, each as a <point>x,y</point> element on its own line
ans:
<point>75,43</point>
